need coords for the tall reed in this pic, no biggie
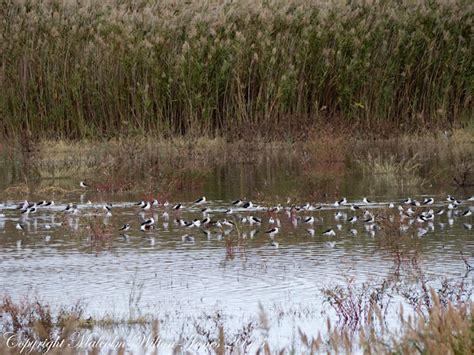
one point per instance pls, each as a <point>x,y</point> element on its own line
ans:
<point>75,69</point>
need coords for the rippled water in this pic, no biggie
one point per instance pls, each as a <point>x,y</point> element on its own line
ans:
<point>158,272</point>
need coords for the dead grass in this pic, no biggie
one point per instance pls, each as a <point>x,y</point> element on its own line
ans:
<point>31,318</point>
<point>171,166</point>
<point>446,328</point>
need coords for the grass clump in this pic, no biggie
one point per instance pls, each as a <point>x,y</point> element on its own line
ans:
<point>98,69</point>
<point>35,320</point>
<point>446,328</point>
<point>393,170</point>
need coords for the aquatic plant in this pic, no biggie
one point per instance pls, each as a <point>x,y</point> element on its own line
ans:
<point>98,233</point>
<point>272,68</point>
<point>392,170</point>
<point>354,305</point>
<point>165,168</point>
<point>32,318</point>
<point>462,175</point>
<point>214,337</point>
<point>447,328</point>
<point>323,159</point>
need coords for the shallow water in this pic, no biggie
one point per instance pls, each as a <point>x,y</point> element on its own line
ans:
<point>184,282</point>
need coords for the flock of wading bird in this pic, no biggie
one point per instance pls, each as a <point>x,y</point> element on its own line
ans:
<point>239,215</point>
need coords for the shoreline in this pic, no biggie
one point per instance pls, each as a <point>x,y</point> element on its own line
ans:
<point>319,163</point>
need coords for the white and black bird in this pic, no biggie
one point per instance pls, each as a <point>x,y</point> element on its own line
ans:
<point>181,222</point>
<point>30,210</point>
<point>24,205</point>
<point>341,202</point>
<point>125,227</point>
<point>149,222</point>
<point>71,208</point>
<point>450,198</point>
<point>353,219</point>
<point>177,206</point>
<point>146,205</point>
<point>255,220</point>
<point>19,227</point>
<point>420,218</point>
<point>248,204</point>
<point>309,220</point>
<point>428,201</point>
<point>108,210</point>
<point>237,202</point>
<point>200,200</point>
<point>273,231</point>
<point>369,220</point>
<point>190,224</point>
<point>366,200</point>
<point>407,201</point>
<point>83,184</point>
<point>275,209</point>
<point>428,216</point>
<point>329,233</point>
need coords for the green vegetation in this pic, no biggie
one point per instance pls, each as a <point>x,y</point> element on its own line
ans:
<point>115,68</point>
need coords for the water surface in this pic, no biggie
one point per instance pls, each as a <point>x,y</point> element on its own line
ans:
<point>225,271</point>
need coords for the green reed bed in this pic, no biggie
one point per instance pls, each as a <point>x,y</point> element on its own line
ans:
<point>91,69</point>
